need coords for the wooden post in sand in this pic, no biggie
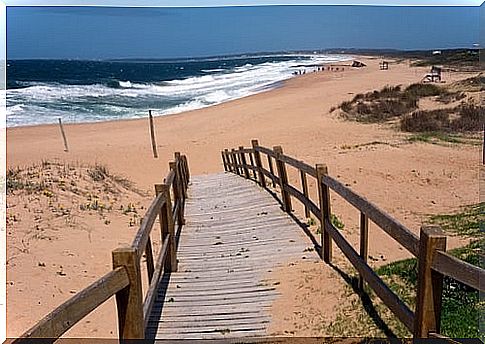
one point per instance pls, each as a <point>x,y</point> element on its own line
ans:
<point>364,244</point>
<point>283,177</point>
<point>129,301</point>
<point>430,283</point>
<point>259,165</point>
<point>66,149</point>
<point>152,134</point>
<point>325,218</point>
<point>483,146</point>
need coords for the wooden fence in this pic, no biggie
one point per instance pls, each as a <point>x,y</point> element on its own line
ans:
<point>125,280</point>
<point>433,262</point>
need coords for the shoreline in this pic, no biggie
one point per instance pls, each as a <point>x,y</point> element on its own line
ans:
<point>279,84</point>
<point>260,89</point>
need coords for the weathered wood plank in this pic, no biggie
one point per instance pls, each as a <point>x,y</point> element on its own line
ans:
<point>175,324</point>
<point>460,270</point>
<point>395,229</point>
<point>141,238</point>
<point>153,287</point>
<point>430,283</point>
<point>209,292</point>
<point>299,165</point>
<point>398,307</point>
<point>232,226</point>
<point>70,312</point>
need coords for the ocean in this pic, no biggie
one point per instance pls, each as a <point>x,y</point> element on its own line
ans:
<point>41,91</point>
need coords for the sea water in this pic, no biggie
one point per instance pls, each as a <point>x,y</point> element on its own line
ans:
<point>41,91</point>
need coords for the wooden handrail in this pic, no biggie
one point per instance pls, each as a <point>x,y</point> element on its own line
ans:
<point>152,289</point>
<point>432,257</point>
<point>70,312</point>
<point>141,237</point>
<point>459,270</point>
<point>392,301</point>
<point>390,225</point>
<point>124,281</point>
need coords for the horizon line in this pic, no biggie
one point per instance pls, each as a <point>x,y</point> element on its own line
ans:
<point>326,51</point>
<point>148,4</point>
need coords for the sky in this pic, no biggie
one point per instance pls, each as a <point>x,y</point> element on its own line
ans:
<point>109,32</point>
<point>197,3</point>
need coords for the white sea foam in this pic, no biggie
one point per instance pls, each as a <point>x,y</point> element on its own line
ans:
<point>212,70</point>
<point>125,84</point>
<point>43,103</point>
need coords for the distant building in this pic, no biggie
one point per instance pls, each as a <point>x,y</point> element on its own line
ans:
<point>437,52</point>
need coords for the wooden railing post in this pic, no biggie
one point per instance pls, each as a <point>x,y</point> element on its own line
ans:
<point>271,170</point>
<point>152,134</point>
<point>259,165</point>
<point>180,176</point>
<point>325,219</point>
<point>228,160</point>
<point>283,177</point>
<point>149,259</point>
<point>244,163</point>
<point>304,188</point>
<point>251,161</point>
<point>364,243</point>
<point>235,161</point>
<point>224,161</point>
<point>430,283</point>
<point>168,227</point>
<point>129,301</point>
<point>177,194</point>
<point>187,171</point>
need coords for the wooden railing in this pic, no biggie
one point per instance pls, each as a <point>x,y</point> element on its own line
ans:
<point>429,248</point>
<point>125,280</point>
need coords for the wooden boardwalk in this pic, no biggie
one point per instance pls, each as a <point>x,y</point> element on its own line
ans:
<point>235,235</point>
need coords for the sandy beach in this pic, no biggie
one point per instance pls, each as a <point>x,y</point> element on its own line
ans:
<point>409,180</point>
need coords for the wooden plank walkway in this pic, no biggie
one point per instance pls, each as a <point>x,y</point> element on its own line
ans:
<point>235,234</point>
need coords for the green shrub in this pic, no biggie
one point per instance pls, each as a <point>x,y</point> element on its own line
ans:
<point>471,118</point>
<point>425,121</point>
<point>424,90</point>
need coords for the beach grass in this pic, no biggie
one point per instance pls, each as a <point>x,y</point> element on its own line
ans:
<point>400,107</point>
<point>461,306</point>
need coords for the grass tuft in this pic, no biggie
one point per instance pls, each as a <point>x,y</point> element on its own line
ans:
<point>465,223</point>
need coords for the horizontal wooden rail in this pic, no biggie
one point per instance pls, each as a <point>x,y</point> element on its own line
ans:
<point>80,305</point>
<point>305,200</point>
<point>459,270</point>
<point>392,227</point>
<point>299,165</point>
<point>124,281</point>
<point>244,150</point>
<point>429,247</point>
<point>153,288</point>
<point>273,178</point>
<point>141,237</point>
<point>170,178</point>
<point>266,151</point>
<point>391,300</point>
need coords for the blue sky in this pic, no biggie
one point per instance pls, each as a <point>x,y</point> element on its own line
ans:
<point>107,32</point>
<point>179,3</point>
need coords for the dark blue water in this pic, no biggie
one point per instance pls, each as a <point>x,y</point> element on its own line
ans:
<point>40,91</point>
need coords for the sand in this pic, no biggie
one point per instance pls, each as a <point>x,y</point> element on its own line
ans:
<point>408,180</point>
